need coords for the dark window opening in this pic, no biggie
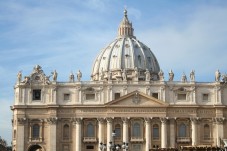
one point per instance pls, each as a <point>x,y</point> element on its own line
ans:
<point>36,94</point>
<point>155,95</point>
<point>117,95</point>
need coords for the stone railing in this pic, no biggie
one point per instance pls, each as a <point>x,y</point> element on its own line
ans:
<point>183,139</point>
<point>136,139</point>
<point>89,139</point>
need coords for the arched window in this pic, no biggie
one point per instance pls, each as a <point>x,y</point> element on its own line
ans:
<point>90,130</point>
<point>182,130</point>
<point>206,131</point>
<point>136,130</point>
<point>139,61</point>
<point>155,131</point>
<point>35,131</point>
<point>118,130</point>
<point>66,131</point>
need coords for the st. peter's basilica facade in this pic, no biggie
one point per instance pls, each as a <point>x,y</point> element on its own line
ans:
<point>127,102</point>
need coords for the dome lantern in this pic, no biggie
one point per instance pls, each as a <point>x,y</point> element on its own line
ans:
<point>125,27</point>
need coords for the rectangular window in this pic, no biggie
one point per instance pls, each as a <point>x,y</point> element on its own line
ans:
<point>117,95</point>
<point>155,95</point>
<point>66,97</point>
<point>181,96</point>
<point>205,97</point>
<point>36,94</point>
<point>90,96</point>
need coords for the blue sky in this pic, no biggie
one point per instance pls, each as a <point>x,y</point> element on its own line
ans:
<point>68,35</point>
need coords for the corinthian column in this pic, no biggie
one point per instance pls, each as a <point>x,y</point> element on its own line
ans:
<point>125,129</point>
<point>101,130</point>
<point>109,131</point>
<point>148,134</point>
<point>78,134</point>
<point>194,131</point>
<point>52,132</point>
<point>164,133</point>
<point>20,133</point>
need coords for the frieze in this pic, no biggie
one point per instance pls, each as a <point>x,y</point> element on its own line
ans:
<point>65,111</point>
<point>206,111</point>
<point>185,110</point>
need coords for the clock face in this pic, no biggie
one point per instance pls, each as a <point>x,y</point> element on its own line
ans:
<point>37,77</point>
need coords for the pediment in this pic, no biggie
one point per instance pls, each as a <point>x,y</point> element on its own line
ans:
<point>137,98</point>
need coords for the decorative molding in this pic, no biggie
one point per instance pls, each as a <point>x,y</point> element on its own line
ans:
<point>77,120</point>
<point>21,121</point>
<point>52,120</point>
<point>109,120</point>
<point>218,120</point>
<point>125,119</point>
<point>164,120</point>
<point>101,120</point>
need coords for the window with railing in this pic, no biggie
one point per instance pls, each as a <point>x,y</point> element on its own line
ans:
<point>136,132</point>
<point>66,132</point>
<point>35,131</point>
<point>182,130</point>
<point>155,132</point>
<point>206,132</point>
<point>118,131</point>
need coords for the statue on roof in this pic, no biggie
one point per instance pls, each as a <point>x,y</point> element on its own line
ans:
<point>19,76</point>
<point>71,77</point>
<point>184,78</point>
<point>55,75</point>
<point>124,76</point>
<point>37,69</point>
<point>79,75</point>
<point>171,75</point>
<point>192,75</point>
<point>217,76</point>
<point>147,75</point>
<point>161,75</point>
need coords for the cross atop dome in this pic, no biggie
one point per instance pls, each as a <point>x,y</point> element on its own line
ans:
<point>125,28</point>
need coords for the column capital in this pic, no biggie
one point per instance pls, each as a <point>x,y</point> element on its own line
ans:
<point>76,120</point>
<point>52,120</point>
<point>164,120</point>
<point>101,120</point>
<point>22,121</point>
<point>194,119</point>
<point>147,119</point>
<point>109,119</point>
<point>218,120</point>
<point>125,119</point>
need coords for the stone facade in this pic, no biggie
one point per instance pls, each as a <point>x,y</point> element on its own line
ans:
<point>144,110</point>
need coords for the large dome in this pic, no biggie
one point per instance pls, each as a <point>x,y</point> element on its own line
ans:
<point>126,58</point>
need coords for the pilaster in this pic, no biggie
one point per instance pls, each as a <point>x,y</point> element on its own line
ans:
<point>20,133</point>
<point>101,130</point>
<point>52,121</point>
<point>172,132</point>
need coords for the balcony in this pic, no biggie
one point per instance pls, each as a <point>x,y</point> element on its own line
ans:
<point>208,139</point>
<point>183,139</point>
<point>35,139</point>
<point>90,140</point>
<point>136,139</point>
